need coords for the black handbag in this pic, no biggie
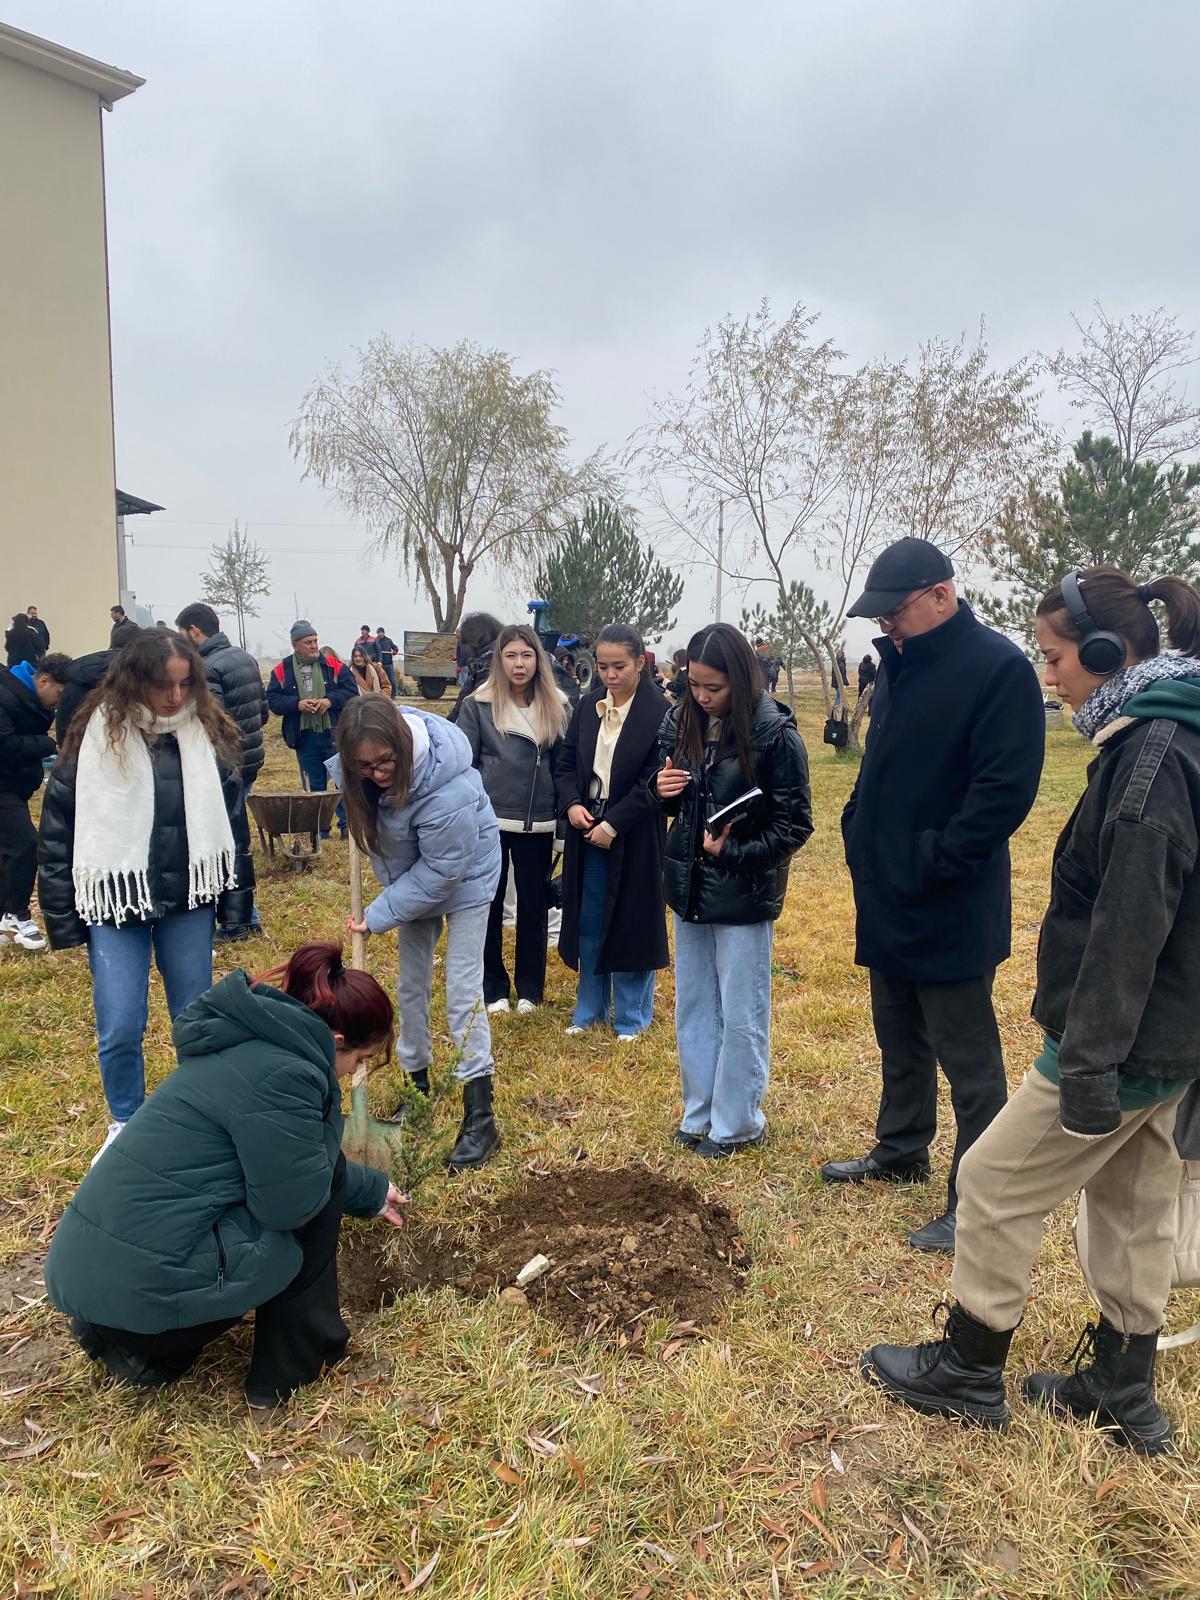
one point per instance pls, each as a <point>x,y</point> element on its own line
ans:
<point>837,732</point>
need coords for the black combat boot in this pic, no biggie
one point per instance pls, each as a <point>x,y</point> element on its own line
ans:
<point>420,1082</point>
<point>959,1375</point>
<point>478,1138</point>
<point>1112,1385</point>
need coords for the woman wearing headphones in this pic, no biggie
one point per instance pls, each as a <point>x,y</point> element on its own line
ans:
<point>1116,977</point>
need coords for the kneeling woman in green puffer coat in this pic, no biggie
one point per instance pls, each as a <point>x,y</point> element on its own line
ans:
<point>226,1190</point>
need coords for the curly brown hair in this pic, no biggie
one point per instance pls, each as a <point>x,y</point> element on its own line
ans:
<point>143,663</point>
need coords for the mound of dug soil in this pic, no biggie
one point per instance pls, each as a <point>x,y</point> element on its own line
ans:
<point>623,1246</point>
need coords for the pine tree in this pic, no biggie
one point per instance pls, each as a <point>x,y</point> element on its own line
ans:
<point>600,572</point>
<point>1105,510</point>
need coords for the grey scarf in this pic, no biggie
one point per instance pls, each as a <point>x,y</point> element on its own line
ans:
<point>1107,703</point>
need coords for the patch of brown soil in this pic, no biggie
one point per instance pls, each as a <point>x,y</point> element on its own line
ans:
<point>20,1281</point>
<point>376,1268</point>
<point>623,1246</point>
<point>25,1357</point>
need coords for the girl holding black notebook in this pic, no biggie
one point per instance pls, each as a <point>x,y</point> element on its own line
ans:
<point>728,747</point>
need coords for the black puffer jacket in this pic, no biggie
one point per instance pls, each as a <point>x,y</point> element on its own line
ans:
<point>24,737</point>
<point>234,677</point>
<point>168,849</point>
<point>748,880</point>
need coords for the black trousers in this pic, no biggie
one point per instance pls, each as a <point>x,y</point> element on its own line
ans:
<point>918,1025</point>
<point>530,854</point>
<point>296,1333</point>
<point>18,856</point>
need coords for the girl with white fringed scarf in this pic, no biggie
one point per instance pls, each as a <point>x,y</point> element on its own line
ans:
<point>143,833</point>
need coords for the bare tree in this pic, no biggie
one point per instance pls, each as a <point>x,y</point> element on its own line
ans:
<point>449,456</point>
<point>1123,379</point>
<point>755,428</point>
<point>236,577</point>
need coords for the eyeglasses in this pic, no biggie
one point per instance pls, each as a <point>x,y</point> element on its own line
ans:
<point>369,768</point>
<point>888,619</point>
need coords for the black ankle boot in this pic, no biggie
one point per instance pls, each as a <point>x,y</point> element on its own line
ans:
<point>959,1375</point>
<point>478,1138</point>
<point>1112,1385</point>
<point>420,1082</point>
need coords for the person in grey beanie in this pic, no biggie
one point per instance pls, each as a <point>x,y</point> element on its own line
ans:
<point>308,690</point>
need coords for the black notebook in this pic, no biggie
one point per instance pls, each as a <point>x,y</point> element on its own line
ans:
<point>733,812</point>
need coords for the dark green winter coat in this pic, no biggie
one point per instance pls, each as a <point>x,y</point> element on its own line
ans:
<point>189,1215</point>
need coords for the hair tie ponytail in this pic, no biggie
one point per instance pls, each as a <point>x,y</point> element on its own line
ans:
<point>336,966</point>
<point>1143,593</point>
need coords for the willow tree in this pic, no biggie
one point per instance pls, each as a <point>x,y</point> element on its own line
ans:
<point>451,457</point>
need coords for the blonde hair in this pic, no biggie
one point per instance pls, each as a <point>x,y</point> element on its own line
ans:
<point>549,708</point>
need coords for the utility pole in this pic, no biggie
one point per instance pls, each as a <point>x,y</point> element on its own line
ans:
<point>720,553</point>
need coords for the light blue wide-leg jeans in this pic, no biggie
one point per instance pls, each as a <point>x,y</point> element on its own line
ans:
<point>723,1026</point>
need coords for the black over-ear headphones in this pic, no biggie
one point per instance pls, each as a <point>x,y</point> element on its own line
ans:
<point>1100,652</point>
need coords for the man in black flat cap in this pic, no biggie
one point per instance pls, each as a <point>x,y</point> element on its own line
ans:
<point>949,772</point>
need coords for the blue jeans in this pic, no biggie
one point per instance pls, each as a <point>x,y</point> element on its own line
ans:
<point>248,780</point>
<point>629,996</point>
<point>723,1025</point>
<point>120,963</point>
<point>313,750</point>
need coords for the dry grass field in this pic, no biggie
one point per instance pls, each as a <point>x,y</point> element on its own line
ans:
<point>471,1447</point>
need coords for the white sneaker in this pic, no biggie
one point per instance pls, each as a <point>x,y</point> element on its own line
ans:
<point>524,1007</point>
<point>21,931</point>
<point>573,1032</point>
<point>497,1006</point>
<point>627,1038</point>
<point>114,1128</point>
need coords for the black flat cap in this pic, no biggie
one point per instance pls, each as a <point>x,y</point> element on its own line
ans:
<point>905,566</point>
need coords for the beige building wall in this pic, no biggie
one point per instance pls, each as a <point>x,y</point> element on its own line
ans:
<point>58,539</point>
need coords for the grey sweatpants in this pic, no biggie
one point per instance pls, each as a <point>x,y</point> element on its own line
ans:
<point>1025,1164</point>
<point>466,1013</point>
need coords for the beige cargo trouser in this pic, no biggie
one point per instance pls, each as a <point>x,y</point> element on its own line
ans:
<point>1025,1164</point>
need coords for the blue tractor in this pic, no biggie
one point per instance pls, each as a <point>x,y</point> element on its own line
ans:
<point>572,650</point>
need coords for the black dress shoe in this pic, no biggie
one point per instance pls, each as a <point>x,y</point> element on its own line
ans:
<point>936,1235</point>
<point>863,1167</point>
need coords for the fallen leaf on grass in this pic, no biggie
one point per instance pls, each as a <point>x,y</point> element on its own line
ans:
<point>817,1524</point>
<point>574,1466</point>
<point>424,1575</point>
<point>813,1569</point>
<point>37,1448</point>
<point>838,1464</point>
<point>161,1467</point>
<point>913,1529</point>
<point>895,1550</point>
<point>1106,1487</point>
<point>657,1550</point>
<point>506,1474</point>
<point>819,1497</point>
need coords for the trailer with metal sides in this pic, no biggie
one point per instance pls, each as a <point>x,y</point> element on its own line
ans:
<point>432,659</point>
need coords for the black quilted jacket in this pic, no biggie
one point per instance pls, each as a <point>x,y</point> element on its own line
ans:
<point>748,880</point>
<point>168,849</point>
<point>234,677</point>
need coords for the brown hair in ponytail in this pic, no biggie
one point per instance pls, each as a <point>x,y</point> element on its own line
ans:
<point>1119,604</point>
<point>350,1002</point>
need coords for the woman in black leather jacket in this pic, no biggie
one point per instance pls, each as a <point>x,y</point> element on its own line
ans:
<point>726,737</point>
<point>142,835</point>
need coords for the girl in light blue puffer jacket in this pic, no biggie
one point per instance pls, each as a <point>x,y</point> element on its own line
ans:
<point>417,806</point>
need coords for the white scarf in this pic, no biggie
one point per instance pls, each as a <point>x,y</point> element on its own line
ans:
<point>114,817</point>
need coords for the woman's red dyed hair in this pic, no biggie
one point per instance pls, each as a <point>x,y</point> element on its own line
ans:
<point>351,1002</point>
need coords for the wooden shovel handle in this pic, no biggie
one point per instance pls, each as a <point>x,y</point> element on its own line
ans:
<point>358,943</point>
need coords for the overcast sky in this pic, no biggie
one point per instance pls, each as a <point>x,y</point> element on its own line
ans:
<point>587,186</point>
